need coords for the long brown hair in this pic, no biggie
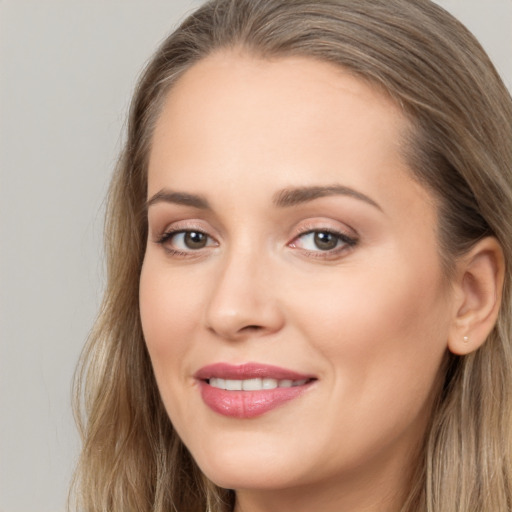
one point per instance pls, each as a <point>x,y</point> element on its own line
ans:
<point>460,149</point>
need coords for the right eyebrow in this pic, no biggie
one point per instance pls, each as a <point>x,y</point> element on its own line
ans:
<point>293,196</point>
<point>183,198</point>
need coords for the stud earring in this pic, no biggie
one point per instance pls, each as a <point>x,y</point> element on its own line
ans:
<point>466,339</point>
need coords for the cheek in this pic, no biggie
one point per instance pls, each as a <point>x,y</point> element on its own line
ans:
<point>384,347</point>
<point>169,314</point>
<point>378,305</point>
<point>169,310</point>
<point>384,335</point>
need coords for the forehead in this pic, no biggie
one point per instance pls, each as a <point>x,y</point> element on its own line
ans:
<point>235,103</point>
<point>230,79</point>
<point>238,124</point>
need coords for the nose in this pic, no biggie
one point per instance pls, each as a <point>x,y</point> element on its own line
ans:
<point>243,301</point>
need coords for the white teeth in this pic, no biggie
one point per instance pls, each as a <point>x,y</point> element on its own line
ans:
<point>233,385</point>
<point>269,383</point>
<point>218,383</point>
<point>254,384</point>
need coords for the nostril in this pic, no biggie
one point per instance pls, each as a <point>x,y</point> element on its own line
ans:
<point>252,328</point>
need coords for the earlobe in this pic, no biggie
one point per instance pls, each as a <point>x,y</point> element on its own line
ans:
<point>479,282</point>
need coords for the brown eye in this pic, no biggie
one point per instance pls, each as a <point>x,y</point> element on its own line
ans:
<point>195,239</point>
<point>185,241</point>
<point>325,241</point>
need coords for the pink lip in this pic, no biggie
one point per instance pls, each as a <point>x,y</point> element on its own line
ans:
<point>248,371</point>
<point>248,404</point>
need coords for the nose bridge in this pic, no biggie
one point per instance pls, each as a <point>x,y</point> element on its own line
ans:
<point>242,297</point>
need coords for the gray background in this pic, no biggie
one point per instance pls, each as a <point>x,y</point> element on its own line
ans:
<point>67,69</point>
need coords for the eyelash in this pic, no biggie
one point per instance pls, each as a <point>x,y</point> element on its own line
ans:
<point>347,242</point>
<point>168,235</point>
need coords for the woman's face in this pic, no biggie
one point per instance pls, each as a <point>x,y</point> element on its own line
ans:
<point>289,246</point>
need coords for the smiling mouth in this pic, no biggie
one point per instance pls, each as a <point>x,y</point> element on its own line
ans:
<point>251,389</point>
<point>257,384</point>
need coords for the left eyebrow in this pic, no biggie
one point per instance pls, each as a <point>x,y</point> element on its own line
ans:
<point>183,198</point>
<point>293,196</point>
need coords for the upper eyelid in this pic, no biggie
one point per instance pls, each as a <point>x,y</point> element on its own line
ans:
<point>335,231</point>
<point>183,225</point>
<point>323,225</point>
<point>169,233</point>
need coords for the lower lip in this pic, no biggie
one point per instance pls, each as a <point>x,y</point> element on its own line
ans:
<point>247,404</point>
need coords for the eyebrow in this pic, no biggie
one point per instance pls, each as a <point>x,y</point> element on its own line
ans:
<point>293,196</point>
<point>283,199</point>
<point>183,198</point>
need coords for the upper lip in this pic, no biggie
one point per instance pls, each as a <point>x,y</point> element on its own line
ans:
<point>248,371</point>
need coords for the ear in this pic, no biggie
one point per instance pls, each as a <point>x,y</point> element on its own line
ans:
<point>478,290</point>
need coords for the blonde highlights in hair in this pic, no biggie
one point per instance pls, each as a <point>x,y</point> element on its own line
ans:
<point>460,148</point>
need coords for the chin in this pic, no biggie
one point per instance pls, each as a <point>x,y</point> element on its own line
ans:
<point>248,478</point>
<point>232,468</point>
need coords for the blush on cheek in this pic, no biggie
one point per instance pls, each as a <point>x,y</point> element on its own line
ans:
<point>168,318</point>
<point>398,324</point>
<point>159,303</point>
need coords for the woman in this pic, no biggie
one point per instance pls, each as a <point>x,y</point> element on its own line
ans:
<point>308,299</point>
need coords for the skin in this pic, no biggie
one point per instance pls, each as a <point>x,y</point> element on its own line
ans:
<point>371,321</point>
